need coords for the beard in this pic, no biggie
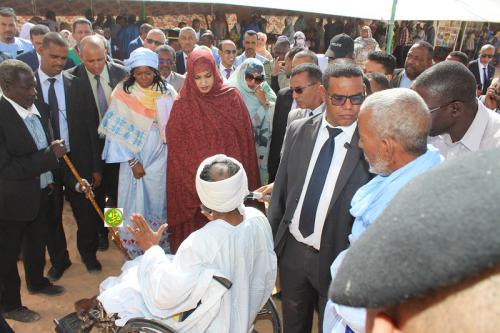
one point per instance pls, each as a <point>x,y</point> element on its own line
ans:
<point>378,166</point>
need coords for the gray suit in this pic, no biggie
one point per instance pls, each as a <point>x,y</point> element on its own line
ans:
<point>299,114</point>
<point>298,147</point>
<point>177,80</point>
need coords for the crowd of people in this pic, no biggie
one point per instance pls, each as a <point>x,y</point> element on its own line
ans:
<point>350,150</point>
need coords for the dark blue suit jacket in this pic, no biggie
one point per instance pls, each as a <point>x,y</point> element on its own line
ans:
<point>31,60</point>
<point>474,68</point>
<point>179,62</point>
<point>135,44</point>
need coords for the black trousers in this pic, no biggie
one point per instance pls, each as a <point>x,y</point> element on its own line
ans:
<point>107,194</point>
<point>300,295</point>
<point>12,234</point>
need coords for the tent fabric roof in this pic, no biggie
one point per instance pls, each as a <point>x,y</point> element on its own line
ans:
<point>425,10</point>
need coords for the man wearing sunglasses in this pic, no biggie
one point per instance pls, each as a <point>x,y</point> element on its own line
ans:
<point>320,170</point>
<point>305,84</point>
<point>155,38</point>
<point>482,68</point>
<point>166,62</point>
<point>460,123</point>
<point>227,52</point>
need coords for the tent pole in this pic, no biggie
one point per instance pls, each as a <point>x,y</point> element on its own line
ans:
<point>390,32</point>
<point>463,35</point>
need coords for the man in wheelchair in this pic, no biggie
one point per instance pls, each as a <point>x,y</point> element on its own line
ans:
<point>218,280</point>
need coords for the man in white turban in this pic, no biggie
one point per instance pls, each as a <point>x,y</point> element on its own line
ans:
<point>236,245</point>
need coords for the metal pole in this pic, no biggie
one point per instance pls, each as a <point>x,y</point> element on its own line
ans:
<point>463,35</point>
<point>390,32</point>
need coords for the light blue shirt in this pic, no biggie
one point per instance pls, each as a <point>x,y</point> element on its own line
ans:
<point>61,101</point>
<point>31,118</point>
<point>405,81</point>
<point>366,206</point>
<point>14,49</point>
<point>242,57</point>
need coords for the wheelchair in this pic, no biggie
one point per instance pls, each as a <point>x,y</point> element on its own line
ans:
<point>95,317</point>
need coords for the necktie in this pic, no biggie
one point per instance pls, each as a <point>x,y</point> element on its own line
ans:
<point>485,78</point>
<point>228,72</point>
<point>348,330</point>
<point>310,114</point>
<point>101,97</point>
<point>54,107</point>
<point>316,183</point>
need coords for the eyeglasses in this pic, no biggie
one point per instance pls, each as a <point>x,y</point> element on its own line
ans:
<point>258,79</point>
<point>340,100</point>
<point>487,56</point>
<point>229,51</point>
<point>300,90</point>
<point>152,41</point>
<point>165,62</point>
<point>443,106</point>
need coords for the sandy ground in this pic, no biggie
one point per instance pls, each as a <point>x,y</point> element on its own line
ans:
<point>78,283</point>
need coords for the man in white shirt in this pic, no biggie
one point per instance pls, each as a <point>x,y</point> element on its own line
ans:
<point>236,245</point>
<point>305,83</point>
<point>227,52</point>
<point>320,170</point>
<point>419,58</point>
<point>249,44</point>
<point>460,123</point>
<point>9,43</point>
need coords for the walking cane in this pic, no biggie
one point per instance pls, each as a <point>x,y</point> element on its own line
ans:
<point>114,234</point>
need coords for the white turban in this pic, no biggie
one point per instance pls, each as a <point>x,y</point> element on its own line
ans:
<point>225,195</point>
<point>142,57</point>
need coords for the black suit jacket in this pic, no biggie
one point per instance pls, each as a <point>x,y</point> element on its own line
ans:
<point>396,77</point>
<point>474,68</point>
<point>31,59</point>
<point>298,148</point>
<point>284,102</point>
<point>83,138</point>
<point>21,164</point>
<point>179,62</point>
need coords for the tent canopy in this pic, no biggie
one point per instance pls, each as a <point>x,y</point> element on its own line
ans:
<point>424,10</point>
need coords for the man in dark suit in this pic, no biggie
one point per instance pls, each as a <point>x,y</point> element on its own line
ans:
<point>98,78</point>
<point>187,40</point>
<point>483,70</point>
<point>27,154</point>
<point>320,170</point>
<point>37,33</point>
<point>72,118</point>
<point>139,41</point>
<point>284,103</point>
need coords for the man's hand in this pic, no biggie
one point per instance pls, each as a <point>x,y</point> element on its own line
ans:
<point>489,99</point>
<point>276,67</point>
<point>138,171</point>
<point>266,191</point>
<point>58,147</point>
<point>96,179</point>
<point>85,188</point>
<point>144,236</point>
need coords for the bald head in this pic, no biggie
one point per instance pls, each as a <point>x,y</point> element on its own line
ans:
<point>93,54</point>
<point>93,41</point>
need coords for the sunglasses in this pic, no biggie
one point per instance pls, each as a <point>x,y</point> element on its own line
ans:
<point>152,41</point>
<point>443,106</point>
<point>340,100</point>
<point>300,90</point>
<point>165,62</point>
<point>229,51</point>
<point>487,56</point>
<point>258,79</point>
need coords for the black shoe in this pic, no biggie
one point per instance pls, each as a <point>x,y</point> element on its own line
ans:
<point>55,274</point>
<point>93,265</point>
<point>22,314</point>
<point>50,290</point>
<point>103,242</point>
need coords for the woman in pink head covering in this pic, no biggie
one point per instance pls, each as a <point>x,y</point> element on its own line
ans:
<point>208,118</point>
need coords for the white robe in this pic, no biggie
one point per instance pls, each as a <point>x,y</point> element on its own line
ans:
<point>159,286</point>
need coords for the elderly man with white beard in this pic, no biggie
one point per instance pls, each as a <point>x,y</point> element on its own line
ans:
<point>236,245</point>
<point>393,127</point>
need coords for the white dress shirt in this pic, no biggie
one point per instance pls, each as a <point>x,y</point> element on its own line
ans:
<point>483,133</point>
<point>405,81</point>
<point>222,70</point>
<point>339,154</point>
<point>481,71</point>
<point>61,101</point>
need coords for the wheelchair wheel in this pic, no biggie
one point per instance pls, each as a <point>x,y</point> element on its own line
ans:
<point>270,314</point>
<point>141,325</point>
